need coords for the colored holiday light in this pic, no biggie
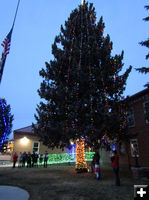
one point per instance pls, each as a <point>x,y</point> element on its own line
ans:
<point>5,122</point>
<point>80,156</point>
<point>66,158</point>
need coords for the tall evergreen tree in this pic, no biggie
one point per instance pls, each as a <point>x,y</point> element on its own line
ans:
<point>82,87</point>
<point>6,119</point>
<point>146,44</point>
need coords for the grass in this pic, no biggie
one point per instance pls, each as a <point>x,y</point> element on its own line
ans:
<point>63,183</point>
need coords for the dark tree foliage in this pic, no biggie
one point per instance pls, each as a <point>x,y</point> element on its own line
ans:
<point>146,44</point>
<point>5,121</point>
<point>82,87</point>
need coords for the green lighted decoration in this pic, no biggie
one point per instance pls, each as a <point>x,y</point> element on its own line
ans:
<point>67,158</point>
<point>89,156</point>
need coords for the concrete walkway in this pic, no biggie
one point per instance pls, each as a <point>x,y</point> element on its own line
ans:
<point>13,193</point>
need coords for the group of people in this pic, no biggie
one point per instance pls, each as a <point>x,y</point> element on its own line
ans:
<point>30,160</point>
<point>115,166</point>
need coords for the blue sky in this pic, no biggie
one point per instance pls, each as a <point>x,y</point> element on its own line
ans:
<point>37,24</point>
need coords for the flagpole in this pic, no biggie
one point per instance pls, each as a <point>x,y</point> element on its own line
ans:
<point>15,14</point>
<point>6,45</point>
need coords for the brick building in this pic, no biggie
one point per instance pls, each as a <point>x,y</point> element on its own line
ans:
<point>138,149</point>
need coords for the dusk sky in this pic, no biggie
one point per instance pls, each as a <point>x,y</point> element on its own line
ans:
<point>37,24</point>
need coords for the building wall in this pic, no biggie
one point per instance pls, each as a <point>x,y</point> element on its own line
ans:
<point>141,128</point>
<point>19,146</point>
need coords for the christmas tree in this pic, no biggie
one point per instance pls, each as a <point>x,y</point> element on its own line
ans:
<point>146,44</point>
<point>82,87</point>
<point>5,121</point>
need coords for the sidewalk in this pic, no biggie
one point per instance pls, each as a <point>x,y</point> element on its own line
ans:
<point>14,193</point>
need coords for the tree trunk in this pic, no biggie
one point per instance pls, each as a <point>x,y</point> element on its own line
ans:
<point>81,165</point>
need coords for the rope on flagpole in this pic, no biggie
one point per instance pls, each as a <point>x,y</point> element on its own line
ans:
<point>15,14</point>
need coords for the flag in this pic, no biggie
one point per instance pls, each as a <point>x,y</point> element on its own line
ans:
<point>6,45</point>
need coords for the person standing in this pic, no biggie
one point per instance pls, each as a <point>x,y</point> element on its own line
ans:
<point>41,158</point>
<point>15,158</point>
<point>29,159</point>
<point>115,165</point>
<point>33,159</point>
<point>45,158</point>
<point>36,160</point>
<point>24,159</point>
<point>96,161</point>
<point>20,159</point>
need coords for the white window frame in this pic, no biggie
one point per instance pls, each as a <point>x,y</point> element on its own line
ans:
<point>134,147</point>
<point>34,147</point>
<point>146,121</point>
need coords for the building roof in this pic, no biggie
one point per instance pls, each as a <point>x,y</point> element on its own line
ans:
<point>139,94</point>
<point>28,129</point>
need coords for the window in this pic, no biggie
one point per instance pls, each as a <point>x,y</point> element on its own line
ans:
<point>130,118</point>
<point>146,111</point>
<point>122,147</point>
<point>36,147</point>
<point>134,148</point>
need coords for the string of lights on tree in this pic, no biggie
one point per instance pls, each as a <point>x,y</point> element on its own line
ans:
<point>91,78</point>
<point>80,147</point>
<point>5,121</point>
<point>81,165</point>
<point>85,101</point>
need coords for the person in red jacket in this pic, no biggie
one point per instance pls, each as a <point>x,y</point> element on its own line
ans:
<point>115,165</point>
<point>15,158</point>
